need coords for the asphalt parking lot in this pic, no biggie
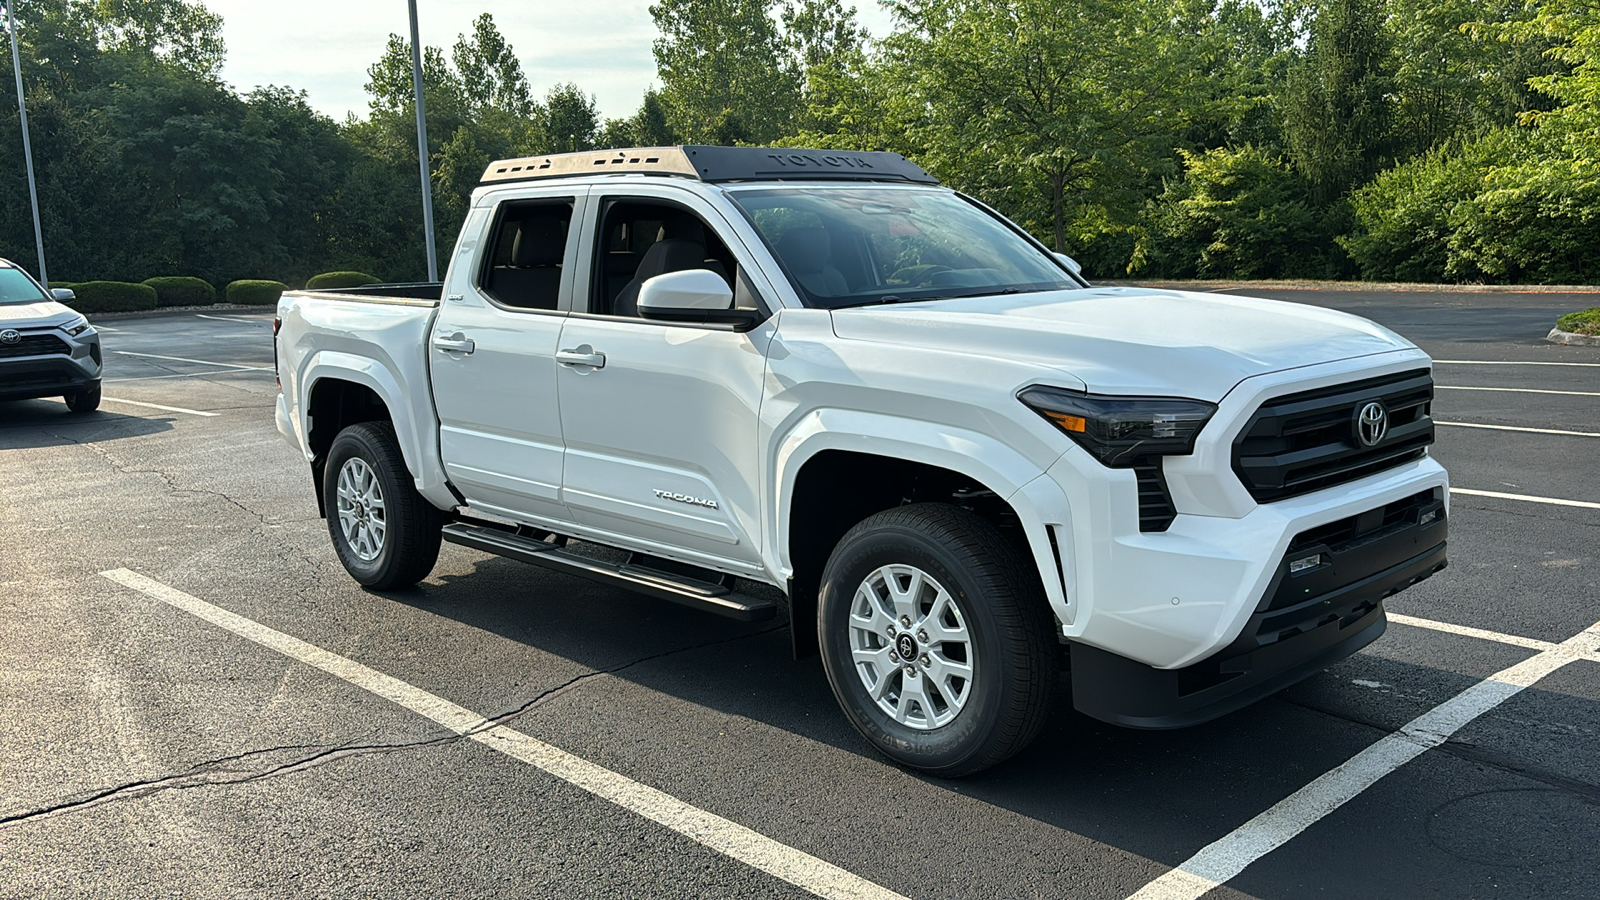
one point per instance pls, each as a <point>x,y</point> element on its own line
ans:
<point>226,714</point>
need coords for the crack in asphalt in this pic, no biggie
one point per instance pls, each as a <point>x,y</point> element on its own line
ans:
<point>220,773</point>
<point>168,478</point>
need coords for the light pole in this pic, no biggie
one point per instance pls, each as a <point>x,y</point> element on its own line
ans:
<point>27,145</point>
<point>422,148</point>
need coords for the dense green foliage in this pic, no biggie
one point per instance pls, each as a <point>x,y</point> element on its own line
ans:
<point>1583,322</point>
<point>255,292</point>
<point>182,290</point>
<point>332,280</point>
<point>113,296</point>
<point>1388,139</point>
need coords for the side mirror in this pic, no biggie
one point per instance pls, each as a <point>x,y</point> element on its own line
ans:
<point>63,295</point>
<point>698,296</point>
<point>1071,264</point>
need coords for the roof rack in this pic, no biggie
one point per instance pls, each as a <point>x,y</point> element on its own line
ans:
<point>716,164</point>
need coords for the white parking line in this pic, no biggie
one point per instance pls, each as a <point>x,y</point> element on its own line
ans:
<point>203,362</point>
<point>176,409</point>
<point>1553,501</point>
<point>1501,362</point>
<point>1467,631</point>
<point>1223,859</point>
<point>1452,387</point>
<point>722,835</point>
<point>195,375</point>
<point>1516,428</point>
<point>256,321</point>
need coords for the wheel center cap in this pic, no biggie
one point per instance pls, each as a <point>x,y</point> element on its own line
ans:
<point>906,645</point>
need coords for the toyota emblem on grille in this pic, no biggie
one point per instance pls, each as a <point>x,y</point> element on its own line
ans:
<point>10,336</point>
<point>1372,423</point>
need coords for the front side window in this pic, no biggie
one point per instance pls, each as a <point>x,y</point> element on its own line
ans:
<point>856,246</point>
<point>16,287</point>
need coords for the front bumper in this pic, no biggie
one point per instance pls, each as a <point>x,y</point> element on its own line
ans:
<point>1306,620</point>
<point>46,376</point>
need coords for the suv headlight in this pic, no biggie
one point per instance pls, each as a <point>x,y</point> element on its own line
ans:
<point>1122,431</point>
<point>76,327</point>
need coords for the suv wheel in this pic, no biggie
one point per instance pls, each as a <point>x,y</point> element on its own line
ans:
<point>84,401</point>
<point>937,639</point>
<point>385,533</point>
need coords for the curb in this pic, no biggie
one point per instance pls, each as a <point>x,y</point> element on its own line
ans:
<point>177,311</point>
<point>1557,336</point>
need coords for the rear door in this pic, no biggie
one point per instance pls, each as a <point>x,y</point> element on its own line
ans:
<point>492,354</point>
<point>660,419</point>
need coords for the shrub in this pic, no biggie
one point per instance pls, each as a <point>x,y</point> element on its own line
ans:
<point>255,293</point>
<point>1585,322</point>
<point>1237,214</point>
<point>181,290</point>
<point>335,280</point>
<point>112,296</point>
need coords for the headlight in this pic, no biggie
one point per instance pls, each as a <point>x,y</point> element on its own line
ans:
<point>1122,431</point>
<point>76,327</point>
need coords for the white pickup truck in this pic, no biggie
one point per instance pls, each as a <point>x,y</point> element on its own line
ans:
<point>673,369</point>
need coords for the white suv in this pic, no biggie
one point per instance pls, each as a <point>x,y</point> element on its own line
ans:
<point>46,349</point>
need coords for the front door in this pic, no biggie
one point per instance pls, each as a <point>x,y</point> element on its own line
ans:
<point>660,420</point>
<point>492,357</point>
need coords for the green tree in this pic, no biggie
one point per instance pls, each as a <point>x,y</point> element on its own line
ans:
<point>1059,110</point>
<point>725,75</point>
<point>1338,107</point>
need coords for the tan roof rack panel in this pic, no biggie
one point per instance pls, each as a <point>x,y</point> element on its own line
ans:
<point>660,160</point>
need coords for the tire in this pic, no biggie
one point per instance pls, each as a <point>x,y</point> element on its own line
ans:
<point>385,533</point>
<point>84,401</point>
<point>941,722</point>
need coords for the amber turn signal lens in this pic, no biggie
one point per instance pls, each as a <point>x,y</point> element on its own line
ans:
<point>1067,423</point>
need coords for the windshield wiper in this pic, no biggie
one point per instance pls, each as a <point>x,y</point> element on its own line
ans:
<point>888,299</point>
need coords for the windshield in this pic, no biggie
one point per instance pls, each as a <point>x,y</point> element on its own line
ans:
<point>17,287</point>
<point>860,245</point>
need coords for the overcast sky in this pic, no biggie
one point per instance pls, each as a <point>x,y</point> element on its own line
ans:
<point>325,46</point>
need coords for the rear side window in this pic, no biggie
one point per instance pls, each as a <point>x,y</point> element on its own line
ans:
<point>528,244</point>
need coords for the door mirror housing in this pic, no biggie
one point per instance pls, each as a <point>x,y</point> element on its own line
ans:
<point>1071,264</point>
<point>62,295</point>
<point>697,296</point>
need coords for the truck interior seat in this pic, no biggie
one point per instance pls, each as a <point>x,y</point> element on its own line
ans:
<point>533,278</point>
<point>808,253</point>
<point>670,255</point>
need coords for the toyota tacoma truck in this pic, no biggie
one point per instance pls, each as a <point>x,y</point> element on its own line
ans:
<point>46,349</point>
<point>687,370</point>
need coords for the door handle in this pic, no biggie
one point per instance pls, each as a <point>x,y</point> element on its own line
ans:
<point>582,356</point>
<point>455,343</point>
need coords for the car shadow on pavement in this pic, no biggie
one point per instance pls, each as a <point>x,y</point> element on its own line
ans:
<point>1161,795</point>
<point>31,424</point>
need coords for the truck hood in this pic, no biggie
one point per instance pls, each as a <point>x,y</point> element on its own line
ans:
<point>35,315</point>
<point>1130,340</point>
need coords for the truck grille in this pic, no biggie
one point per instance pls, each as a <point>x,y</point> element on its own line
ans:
<point>1308,441</point>
<point>34,345</point>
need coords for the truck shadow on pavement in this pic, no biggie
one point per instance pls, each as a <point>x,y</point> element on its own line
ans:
<point>1161,795</point>
<point>33,424</point>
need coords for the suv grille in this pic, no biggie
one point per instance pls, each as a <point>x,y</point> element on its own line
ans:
<point>34,345</point>
<point>1305,442</point>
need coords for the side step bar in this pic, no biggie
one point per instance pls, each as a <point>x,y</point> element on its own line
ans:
<point>714,597</point>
